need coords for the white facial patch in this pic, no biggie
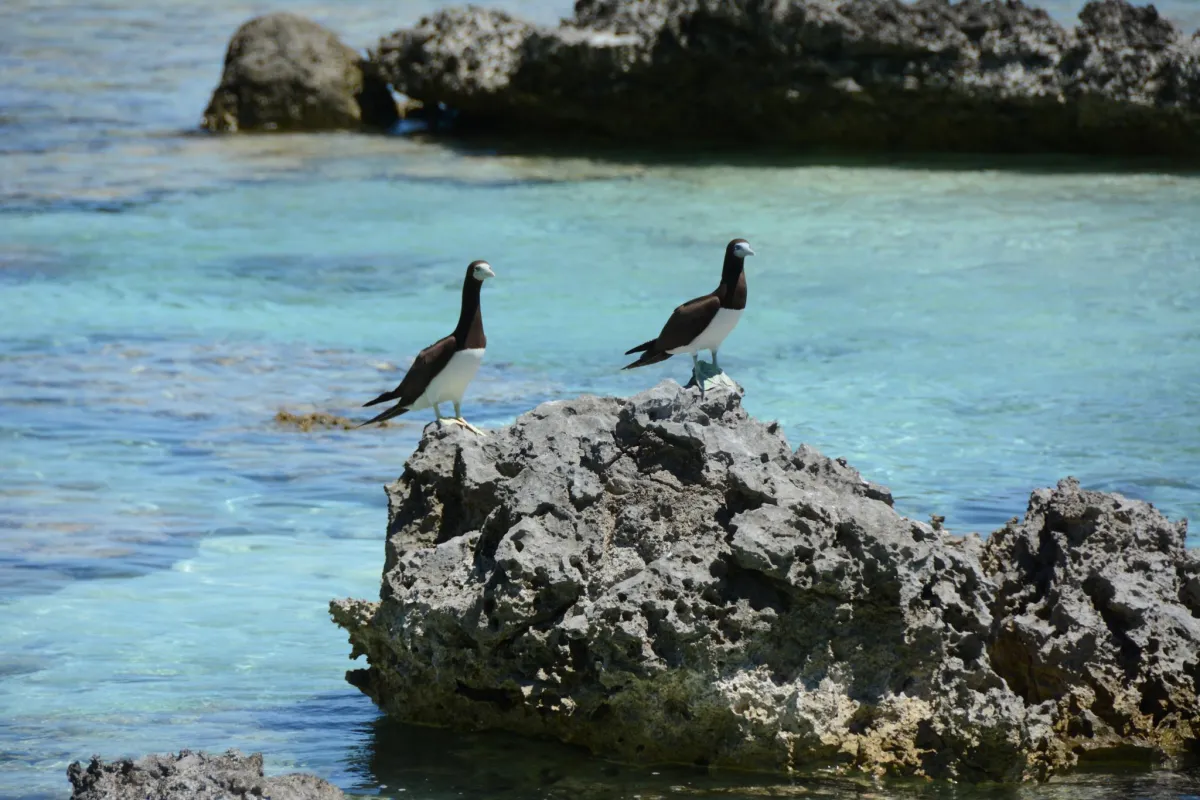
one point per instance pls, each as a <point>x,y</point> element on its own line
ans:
<point>483,272</point>
<point>741,250</point>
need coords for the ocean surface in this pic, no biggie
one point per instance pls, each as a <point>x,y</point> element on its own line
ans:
<point>964,333</point>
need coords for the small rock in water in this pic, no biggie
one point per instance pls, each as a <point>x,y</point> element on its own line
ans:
<point>317,420</point>
<point>188,775</point>
<point>284,72</point>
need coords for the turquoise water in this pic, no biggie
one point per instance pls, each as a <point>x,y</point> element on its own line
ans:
<point>963,335</point>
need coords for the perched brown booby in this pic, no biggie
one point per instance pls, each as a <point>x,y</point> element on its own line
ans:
<point>703,323</point>
<point>442,371</point>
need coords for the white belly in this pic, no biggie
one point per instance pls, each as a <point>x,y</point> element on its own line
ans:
<point>712,336</point>
<point>449,385</point>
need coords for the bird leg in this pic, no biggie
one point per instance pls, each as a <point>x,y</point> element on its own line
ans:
<point>716,366</point>
<point>696,373</point>
<point>458,418</point>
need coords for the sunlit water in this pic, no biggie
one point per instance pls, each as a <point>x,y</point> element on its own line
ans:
<point>167,551</point>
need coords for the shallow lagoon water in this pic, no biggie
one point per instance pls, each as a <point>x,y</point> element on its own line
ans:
<point>963,335</point>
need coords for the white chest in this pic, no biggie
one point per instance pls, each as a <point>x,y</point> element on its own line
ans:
<point>450,384</point>
<point>723,322</point>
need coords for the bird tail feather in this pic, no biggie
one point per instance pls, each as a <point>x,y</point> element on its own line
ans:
<point>640,348</point>
<point>383,398</point>
<point>648,358</point>
<point>394,411</point>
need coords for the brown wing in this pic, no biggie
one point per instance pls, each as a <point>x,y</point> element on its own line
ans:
<point>687,322</point>
<point>428,363</point>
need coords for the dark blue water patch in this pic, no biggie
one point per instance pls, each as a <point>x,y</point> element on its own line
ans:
<point>353,273</point>
<point>983,514</point>
<point>20,664</point>
<point>91,569</point>
<point>26,205</point>
<point>499,184</point>
<point>29,575</point>
<point>29,578</point>
<point>1175,497</point>
<point>21,580</point>
<point>27,265</point>
<point>24,795</point>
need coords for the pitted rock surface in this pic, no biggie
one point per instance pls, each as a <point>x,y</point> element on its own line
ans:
<point>662,578</point>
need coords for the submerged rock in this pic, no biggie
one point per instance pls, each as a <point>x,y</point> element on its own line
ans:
<point>662,578</point>
<point>318,420</point>
<point>285,72</point>
<point>189,775</point>
<point>866,75</point>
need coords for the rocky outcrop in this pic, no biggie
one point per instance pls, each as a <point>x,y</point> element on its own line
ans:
<point>662,578</point>
<point>188,775</point>
<point>287,73</point>
<point>1097,614</point>
<point>865,75</point>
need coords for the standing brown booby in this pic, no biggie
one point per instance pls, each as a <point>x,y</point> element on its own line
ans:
<point>703,323</point>
<point>442,371</point>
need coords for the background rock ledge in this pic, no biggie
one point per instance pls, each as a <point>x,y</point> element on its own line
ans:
<point>661,578</point>
<point>978,76</point>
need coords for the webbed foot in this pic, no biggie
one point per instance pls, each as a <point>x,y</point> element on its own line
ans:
<point>467,425</point>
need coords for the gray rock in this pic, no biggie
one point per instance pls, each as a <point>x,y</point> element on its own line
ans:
<point>287,73</point>
<point>189,775</point>
<point>867,75</point>
<point>662,579</point>
<point>1096,616</point>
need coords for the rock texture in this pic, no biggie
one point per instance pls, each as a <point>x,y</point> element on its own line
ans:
<point>188,775</point>
<point>865,75</point>
<point>1098,615</point>
<point>287,73</point>
<point>662,578</point>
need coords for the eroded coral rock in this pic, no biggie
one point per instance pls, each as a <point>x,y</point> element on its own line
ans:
<point>662,578</point>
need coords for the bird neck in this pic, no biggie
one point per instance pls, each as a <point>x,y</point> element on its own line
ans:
<point>732,291</point>
<point>470,319</point>
<point>731,270</point>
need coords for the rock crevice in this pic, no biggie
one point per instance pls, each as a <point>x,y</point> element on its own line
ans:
<point>662,578</point>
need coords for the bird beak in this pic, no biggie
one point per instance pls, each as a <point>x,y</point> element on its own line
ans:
<point>488,271</point>
<point>749,251</point>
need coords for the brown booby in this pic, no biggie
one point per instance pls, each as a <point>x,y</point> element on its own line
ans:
<point>441,372</point>
<point>702,323</point>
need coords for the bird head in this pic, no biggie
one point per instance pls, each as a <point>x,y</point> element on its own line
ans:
<point>480,271</point>
<point>739,248</point>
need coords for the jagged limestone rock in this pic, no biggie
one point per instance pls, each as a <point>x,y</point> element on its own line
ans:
<point>662,578</point>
